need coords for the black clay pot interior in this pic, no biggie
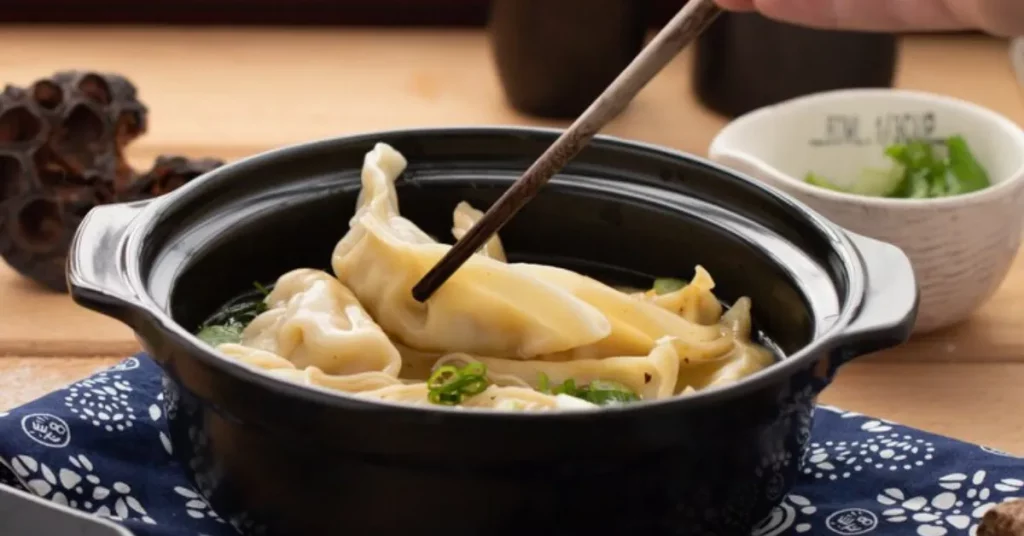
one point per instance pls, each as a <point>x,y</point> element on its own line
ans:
<point>282,459</point>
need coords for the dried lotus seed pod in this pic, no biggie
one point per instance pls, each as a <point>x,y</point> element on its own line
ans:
<point>62,152</point>
<point>1006,519</point>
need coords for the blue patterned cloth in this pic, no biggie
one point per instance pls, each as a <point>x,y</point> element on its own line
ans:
<point>101,446</point>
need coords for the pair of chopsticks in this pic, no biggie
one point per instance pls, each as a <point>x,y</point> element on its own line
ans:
<point>695,16</point>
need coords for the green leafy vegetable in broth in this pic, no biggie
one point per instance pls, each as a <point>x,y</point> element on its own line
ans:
<point>920,170</point>
<point>227,324</point>
<point>449,385</point>
<point>218,334</point>
<point>664,285</point>
<point>262,289</point>
<point>598,392</point>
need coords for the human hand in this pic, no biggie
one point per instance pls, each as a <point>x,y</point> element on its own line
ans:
<point>999,17</point>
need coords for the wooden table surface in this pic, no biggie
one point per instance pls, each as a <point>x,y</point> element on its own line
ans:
<point>234,93</point>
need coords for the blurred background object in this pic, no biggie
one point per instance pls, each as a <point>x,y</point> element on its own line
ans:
<point>746,61</point>
<point>62,152</point>
<point>555,57</point>
<point>1017,59</point>
<point>315,12</point>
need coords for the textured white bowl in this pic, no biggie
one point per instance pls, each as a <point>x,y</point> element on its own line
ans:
<point>961,247</point>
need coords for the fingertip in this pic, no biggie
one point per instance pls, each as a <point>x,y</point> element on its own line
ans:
<point>736,5</point>
<point>817,13</point>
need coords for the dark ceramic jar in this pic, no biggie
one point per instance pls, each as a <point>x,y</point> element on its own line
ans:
<point>746,61</point>
<point>555,57</point>
<point>282,459</point>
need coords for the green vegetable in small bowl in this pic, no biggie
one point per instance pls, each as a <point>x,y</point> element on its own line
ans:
<point>920,170</point>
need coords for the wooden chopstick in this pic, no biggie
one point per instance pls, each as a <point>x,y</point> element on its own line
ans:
<point>695,16</point>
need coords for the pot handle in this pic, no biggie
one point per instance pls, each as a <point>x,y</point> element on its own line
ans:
<point>887,315</point>
<point>96,261</point>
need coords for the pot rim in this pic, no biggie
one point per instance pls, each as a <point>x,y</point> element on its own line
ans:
<point>826,339</point>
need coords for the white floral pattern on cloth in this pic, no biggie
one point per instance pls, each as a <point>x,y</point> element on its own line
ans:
<point>76,484</point>
<point>793,512</point>
<point>834,460</point>
<point>196,506</point>
<point>939,487</point>
<point>909,483</point>
<point>103,399</point>
<point>959,505</point>
<point>102,446</point>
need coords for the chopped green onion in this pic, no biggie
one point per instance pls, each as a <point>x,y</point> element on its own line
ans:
<point>871,182</point>
<point>543,383</point>
<point>968,172</point>
<point>918,184</point>
<point>921,170</point>
<point>603,393</point>
<point>953,186</point>
<point>878,182</point>
<point>568,387</point>
<point>664,285</point>
<point>449,385</point>
<point>598,392</point>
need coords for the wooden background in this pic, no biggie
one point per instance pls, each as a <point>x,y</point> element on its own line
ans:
<point>277,12</point>
<point>235,92</point>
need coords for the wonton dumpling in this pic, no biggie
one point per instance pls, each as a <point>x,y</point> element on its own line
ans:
<point>634,327</point>
<point>486,308</point>
<point>523,399</point>
<point>280,367</point>
<point>463,219</point>
<point>742,359</point>
<point>312,320</point>
<point>494,397</point>
<point>695,302</point>
<point>652,376</point>
<point>636,324</point>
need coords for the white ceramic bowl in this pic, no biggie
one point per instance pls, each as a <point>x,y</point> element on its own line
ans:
<point>961,247</point>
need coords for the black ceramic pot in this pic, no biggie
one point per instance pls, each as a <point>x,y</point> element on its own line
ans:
<point>282,459</point>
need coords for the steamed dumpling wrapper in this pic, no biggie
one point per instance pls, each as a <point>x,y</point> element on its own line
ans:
<point>742,358</point>
<point>312,320</point>
<point>280,367</point>
<point>652,376</point>
<point>494,397</point>
<point>362,332</point>
<point>486,308</point>
<point>695,301</point>
<point>637,323</point>
<point>742,361</point>
<point>463,219</point>
<point>524,399</point>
